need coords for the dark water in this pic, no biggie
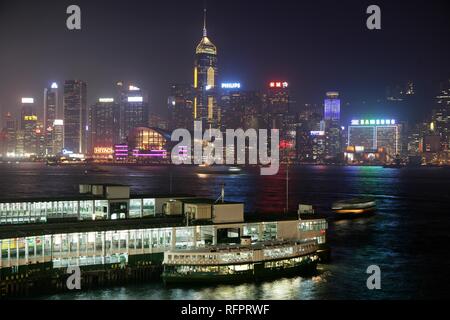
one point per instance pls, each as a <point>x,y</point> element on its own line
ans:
<point>408,238</point>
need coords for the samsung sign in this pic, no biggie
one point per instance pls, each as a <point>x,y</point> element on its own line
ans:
<point>231,85</point>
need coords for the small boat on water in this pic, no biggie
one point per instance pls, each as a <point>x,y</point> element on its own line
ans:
<point>218,169</point>
<point>240,263</point>
<point>354,207</point>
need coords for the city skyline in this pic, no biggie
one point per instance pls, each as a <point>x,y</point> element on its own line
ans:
<point>234,65</point>
<point>224,150</point>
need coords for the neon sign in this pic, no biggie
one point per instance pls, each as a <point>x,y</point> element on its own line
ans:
<point>27,100</point>
<point>231,85</point>
<point>103,150</point>
<point>278,84</point>
<point>374,122</point>
<point>135,99</point>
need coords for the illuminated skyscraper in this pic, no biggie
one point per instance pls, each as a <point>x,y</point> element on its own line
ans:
<point>371,135</point>
<point>205,81</point>
<point>28,126</point>
<point>240,109</point>
<point>332,116</point>
<point>441,115</point>
<point>50,115</point>
<point>332,111</point>
<point>104,127</point>
<point>276,104</point>
<point>134,109</point>
<point>58,136</point>
<point>180,105</point>
<point>10,129</point>
<point>75,116</point>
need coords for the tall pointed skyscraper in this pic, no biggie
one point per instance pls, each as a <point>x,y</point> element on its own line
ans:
<point>205,81</point>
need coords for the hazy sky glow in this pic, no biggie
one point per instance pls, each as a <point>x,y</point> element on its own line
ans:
<point>315,45</point>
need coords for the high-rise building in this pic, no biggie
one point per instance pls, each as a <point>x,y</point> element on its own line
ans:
<point>276,104</point>
<point>180,105</point>
<point>441,115</point>
<point>332,110</point>
<point>333,131</point>
<point>205,81</point>
<point>41,139</point>
<point>277,115</point>
<point>158,122</point>
<point>104,127</point>
<point>134,109</point>
<point>28,126</point>
<point>10,128</point>
<point>240,109</point>
<point>58,136</point>
<point>371,135</point>
<point>75,116</point>
<point>50,115</point>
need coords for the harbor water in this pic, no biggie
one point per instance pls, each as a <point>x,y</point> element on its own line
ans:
<point>407,237</point>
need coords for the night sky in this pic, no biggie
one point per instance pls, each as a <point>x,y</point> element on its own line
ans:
<point>315,45</point>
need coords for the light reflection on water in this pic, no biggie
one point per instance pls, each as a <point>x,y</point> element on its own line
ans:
<point>407,238</point>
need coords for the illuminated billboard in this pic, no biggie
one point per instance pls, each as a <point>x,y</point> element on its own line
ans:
<point>106,100</point>
<point>278,84</point>
<point>135,99</point>
<point>27,100</point>
<point>231,85</point>
<point>103,150</point>
<point>374,122</point>
<point>133,88</point>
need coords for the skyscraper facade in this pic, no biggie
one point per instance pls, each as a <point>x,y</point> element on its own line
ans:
<point>134,108</point>
<point>332,110</point>
<point>333,131</point>
<point>58,136</point>
<point>240,109</point>
<point>28,126</point>
<point>50,115</point>
<point>371,135</point>
<point>104,127</point>
<point>441,115</point>
<point>75,116</point>
<point>10,131</point>
<point>180,105</point>
<point>205,81</point>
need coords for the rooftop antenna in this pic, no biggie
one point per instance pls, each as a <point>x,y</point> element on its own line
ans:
<point>205,33</point>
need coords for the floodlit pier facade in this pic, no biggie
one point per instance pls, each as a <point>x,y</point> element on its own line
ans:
<point>121,246</point>
<point>106,226</point>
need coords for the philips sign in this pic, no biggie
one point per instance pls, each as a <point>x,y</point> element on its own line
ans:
<point>231,85</point>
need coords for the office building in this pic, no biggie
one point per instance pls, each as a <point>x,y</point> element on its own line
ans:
<point>75,116</point>
<point>104,128</point>
<point>180,105</point>
<point>371,135</point>
<point>134,108</point>
<point>58,136</point>
<point>28,126</point>
<point>205,81</point>
<point>50,115</point>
